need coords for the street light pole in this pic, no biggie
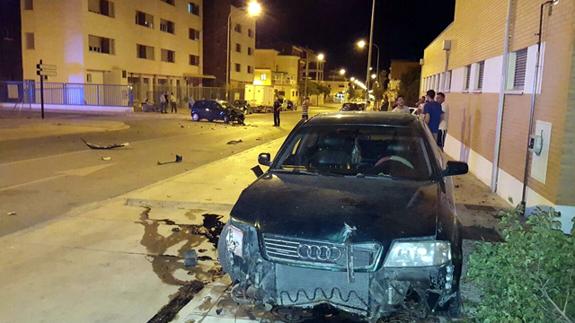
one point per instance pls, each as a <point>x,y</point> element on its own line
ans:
<point>369,51</point>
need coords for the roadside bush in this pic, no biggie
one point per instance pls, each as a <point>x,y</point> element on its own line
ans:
<point>530,276</point>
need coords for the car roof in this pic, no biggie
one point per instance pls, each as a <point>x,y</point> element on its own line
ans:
<point>362,118</point>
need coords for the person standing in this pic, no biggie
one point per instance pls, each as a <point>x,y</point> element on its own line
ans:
<point>419,105</point>
<point>162,102</point>
<point>277,109</point>
<point>400,105</point>
<point>432,113</point>
<point>305,108</point>
<point>173,103</point>
<point>442,133</point>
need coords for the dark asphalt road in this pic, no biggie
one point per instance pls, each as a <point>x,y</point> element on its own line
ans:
<point>43,178</point>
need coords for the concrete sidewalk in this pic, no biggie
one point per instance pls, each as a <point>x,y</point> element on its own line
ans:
<point>123,260</point>
<point>13,128</point>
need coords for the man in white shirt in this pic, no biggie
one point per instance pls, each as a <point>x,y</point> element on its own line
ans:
<point>440,98</point>
<point>400,105</point>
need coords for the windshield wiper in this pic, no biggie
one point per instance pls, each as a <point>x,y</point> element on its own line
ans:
<point>298,171</point>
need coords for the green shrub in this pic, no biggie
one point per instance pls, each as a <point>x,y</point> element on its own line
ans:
<point>530,276</point>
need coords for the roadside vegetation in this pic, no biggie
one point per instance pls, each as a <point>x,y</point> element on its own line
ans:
<point>528,278</point>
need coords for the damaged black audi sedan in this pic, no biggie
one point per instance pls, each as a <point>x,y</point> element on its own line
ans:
<point>356,211</point>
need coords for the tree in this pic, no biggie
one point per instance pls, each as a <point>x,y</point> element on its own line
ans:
<point>409,85</point>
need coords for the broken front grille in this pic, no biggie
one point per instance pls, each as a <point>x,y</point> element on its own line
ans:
<point>320,254</point>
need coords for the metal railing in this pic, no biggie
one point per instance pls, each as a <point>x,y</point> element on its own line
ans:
<point>28,92</point>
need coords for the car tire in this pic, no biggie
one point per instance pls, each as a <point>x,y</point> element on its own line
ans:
<point>195,117</point>
<point>453,307</point>
<point>226,119</point>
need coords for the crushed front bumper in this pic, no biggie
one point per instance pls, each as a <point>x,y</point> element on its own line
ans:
<point>371,292</point>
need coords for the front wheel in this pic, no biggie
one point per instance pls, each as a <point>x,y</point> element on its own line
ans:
<point>226,119</point>
<point>195,117</point>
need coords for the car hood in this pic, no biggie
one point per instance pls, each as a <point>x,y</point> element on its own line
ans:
<point>319,207</point>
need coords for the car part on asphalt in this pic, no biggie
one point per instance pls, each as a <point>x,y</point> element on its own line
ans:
<point>234,142</point>
<point>179,159</point>
<point>112,146</point>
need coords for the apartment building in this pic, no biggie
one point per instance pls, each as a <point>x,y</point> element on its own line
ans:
<point>281,70</point>
<point>231,46</point>
<point>486,62</point>
<point>151,44</point>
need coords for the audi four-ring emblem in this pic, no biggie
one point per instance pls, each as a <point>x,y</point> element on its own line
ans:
<point>321,253</point>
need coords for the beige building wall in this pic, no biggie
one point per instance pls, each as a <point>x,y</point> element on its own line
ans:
<point>246,39</point>
<point>284,70</point>
<point>61,30</point>
<point>477,35</point>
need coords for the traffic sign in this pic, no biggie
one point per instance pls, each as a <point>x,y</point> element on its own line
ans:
<point>46,69</point>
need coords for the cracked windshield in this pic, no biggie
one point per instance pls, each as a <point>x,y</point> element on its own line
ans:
<point>179,161</point>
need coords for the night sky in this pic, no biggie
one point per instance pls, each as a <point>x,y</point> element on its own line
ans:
<point>403,28</point>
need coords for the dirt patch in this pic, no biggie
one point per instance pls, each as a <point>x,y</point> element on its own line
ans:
<point>480,234</point>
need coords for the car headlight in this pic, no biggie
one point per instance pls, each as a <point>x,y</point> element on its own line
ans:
<point>418,254</point>
<point>235,240</point>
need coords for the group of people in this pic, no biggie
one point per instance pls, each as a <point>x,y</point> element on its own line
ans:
<point>166,99</point>
<point>434,110</point>
<point>279,103</point>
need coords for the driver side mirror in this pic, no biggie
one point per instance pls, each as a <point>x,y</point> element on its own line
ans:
<point>455,168</point>
<point>265,159</point>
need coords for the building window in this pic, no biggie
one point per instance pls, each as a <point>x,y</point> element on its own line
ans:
<point>238,28</point>
<point>250,51</point>
<point>250,70</point>
<point>466,77</point>
<point>193,8</point>
<point>144,19</point>
<point>101,7</point>
<point>28,4</point>
<point>193,34</point>
<point>516,70</point>
<point>167,26</point>
<point>447,86</point>
<point>29,39</point>
<point>88,78</point>
<point>238,68</point>
<point>145,52</point>
<point>172,2</point>
<point>194,60</point>
<point>99,44</point>
<point>480,74</point>
<point>168,56</point>
<point>250,33</point>
<point>238,48</point>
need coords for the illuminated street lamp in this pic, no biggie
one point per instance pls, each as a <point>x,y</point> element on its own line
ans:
<point>342,72</point>
<point>352,79</point>
<point>253,10</point>
<point>320,60</point>
<point>361,44</point>
<point>373,76</point>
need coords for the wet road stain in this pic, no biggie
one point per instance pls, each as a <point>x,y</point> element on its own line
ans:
<point>191,235</point>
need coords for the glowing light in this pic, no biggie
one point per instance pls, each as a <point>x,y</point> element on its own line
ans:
<point>254,8</point>
<point>373,76</point>
<point>361,44</point>
<point>352,79</point>
<point>342,72</point>
<point>320,57</point>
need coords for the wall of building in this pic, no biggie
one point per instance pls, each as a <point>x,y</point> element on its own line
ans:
<point>477,35</point>
<point>10,41</point>
<point>61,30</point>
<point>247,42</point>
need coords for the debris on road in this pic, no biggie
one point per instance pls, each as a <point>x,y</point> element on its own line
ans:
<point>106,158</point>
<point>190,258</point>
<point>235,142</point>
<point>179,159</point>
<point>112,146</point>
<point>11,213</point>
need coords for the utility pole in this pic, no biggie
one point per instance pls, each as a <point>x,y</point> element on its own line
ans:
<point>369,51</point>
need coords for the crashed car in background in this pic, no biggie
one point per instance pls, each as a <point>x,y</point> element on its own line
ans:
<point>216,110</point>
<point>357,212</point>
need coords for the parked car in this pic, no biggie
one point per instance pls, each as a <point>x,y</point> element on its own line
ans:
<point>356,211</point>
<point>243,105</point>
<point>216,110</point>
<point>290,106</point>
<point>351,106</point>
